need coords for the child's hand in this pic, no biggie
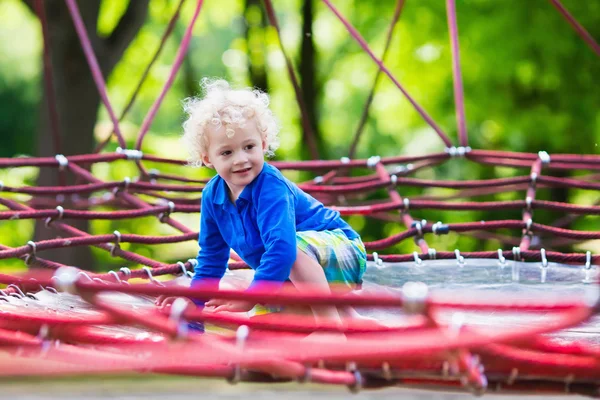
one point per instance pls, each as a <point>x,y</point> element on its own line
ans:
<point>230,305</point>
<point>164,301</point>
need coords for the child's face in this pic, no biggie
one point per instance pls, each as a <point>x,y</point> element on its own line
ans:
<point>239,159</point>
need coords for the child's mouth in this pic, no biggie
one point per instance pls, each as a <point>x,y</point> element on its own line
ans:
<point>241,171</point>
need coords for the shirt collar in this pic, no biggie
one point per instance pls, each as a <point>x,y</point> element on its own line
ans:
<point>220,191</point>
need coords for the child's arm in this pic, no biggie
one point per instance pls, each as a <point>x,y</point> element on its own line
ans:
<point>276,219</point>
<point>213,254</point>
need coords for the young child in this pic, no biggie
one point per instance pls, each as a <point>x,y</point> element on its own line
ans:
<point>281,232</point>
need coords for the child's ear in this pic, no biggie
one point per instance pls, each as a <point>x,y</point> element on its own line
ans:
<point>206,161</point>
<point>264,145</point>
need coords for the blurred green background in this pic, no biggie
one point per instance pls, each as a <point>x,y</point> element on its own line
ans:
<point>531,83</point>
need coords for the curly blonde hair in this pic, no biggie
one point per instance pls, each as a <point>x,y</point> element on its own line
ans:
<point>230,108</point>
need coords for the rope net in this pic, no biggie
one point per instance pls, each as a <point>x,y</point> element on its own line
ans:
<point>58,320</point>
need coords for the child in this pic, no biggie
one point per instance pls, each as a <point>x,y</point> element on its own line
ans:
<point>281,232</point>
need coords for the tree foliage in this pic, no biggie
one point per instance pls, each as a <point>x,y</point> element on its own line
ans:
<point>531,83</point>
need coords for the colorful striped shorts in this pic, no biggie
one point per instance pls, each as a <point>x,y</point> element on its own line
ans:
<point>344,261</point>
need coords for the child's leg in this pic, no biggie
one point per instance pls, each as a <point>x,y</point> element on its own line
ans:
<point>308,274</point>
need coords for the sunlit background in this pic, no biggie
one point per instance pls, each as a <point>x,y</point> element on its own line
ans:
<point>530,84</point>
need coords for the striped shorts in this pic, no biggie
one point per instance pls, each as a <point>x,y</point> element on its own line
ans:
<point>344,261</point>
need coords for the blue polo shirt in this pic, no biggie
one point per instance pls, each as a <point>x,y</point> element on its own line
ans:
<point>261,226</point>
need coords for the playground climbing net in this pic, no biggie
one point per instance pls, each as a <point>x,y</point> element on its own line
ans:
<point>70,321</point>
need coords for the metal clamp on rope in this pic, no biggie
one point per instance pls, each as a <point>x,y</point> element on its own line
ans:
<point>544,259</point>
<point>126,273</point>
<point>49,220</point>
<point>162,217</point>
<point>62,162</point>
<point>373,161</point>
<point>544,157</point>
<point>406,202</point>
<point>131,154</point>
<point>544,266</point>
<point>393,179</point>
<point>378,261</point>
<point>440,229</point>
<point>184,270</point>
<point>151,277</point>
<point>345,160</point>
<point>457,151</point>
<point>419,225</point>
<point>432,253</point>
<point>116,245</point>
<point>126,182</point>
<point>32,255</point>
<point>414,297</point>
<point>418,261</point>
<point>20,294</point>
<point>241,335</point>
<point>115,275</point>
<point>84,274</point>
<point>153,175</point>
<point>318,179</point>
<point>517,254</point>
<point>460,260</point>
<point>501,258</point>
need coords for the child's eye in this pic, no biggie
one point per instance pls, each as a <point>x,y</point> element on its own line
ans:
<point>250,147</point>
<point>226,153</point>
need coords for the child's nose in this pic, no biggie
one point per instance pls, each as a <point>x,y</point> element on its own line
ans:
<point>240,158</point>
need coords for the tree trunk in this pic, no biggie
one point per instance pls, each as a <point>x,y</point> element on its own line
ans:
<point>257,65</point>
<point>308,75</point>
<point>77,98</point>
